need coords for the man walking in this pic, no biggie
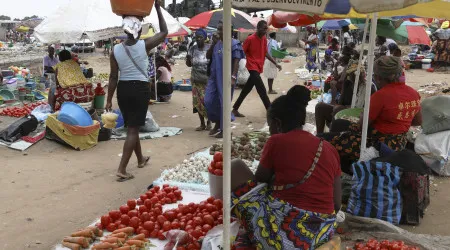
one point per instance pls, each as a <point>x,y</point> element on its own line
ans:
<point>255,48</point>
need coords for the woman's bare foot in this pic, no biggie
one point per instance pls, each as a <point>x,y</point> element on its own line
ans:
<point>124,177</point>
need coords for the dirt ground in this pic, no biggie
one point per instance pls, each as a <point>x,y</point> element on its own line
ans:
<point>50,190</point>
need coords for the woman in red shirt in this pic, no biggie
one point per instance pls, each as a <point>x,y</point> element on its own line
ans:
<point>292,200</point>
<point>394,108</point>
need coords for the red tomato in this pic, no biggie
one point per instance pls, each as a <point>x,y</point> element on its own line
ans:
<point>161,235</point>
<point>211,208</point>
<point>105,220</point>
<point>124,209</point>
<point>140,202</point>
<point>131,204</point>
<point>143,209</point>
<point>209,220</point>
<point>157,188</point>
<point>166,226</point>
<point>206,228</point>
<point>154,234</point>
<point>218,172</point>
<point>125,219</point>
<point>218,156</point>
<point>181,248</point>
<point>211,170</point>
<point>146,232</point>
<point>170,215</point>
<point>182,225</point>
<point>171,196</point>
<point>165,186</point>
<point>218,203</point>
<point>161,219</point>
<point>143,197</point>
<point>149,194</point>
<point>133,213</point>
<point>154,200</point>
<point>215,214</point>
<point>145,217</point>
<point>148,203</point>
<point>111,227</point>
<point>196,234</point>
<point>177,193</point>
<point>149,225</point>
<point>114,214</point>
<point>134,222</point>
<point>219,165</point>
<point>175,225</point>
<point>198,221</point>
<point>121,226</point>
<point>180,198</point>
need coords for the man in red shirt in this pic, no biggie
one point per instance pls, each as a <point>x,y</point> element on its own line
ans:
<point>255,48</point>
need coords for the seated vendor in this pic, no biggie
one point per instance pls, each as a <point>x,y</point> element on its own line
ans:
<point>68,74</point>
<point>292,200</point>
<point>328,62</point>
<point>164,81</point>
<point>50,60</point>
<point>394,108</point>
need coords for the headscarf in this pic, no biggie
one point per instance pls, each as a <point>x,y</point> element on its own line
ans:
<point>328,52</point>
<point>392,46</point>
<point>201,32</point>
<point>388,67</point>
<point>132,25</point>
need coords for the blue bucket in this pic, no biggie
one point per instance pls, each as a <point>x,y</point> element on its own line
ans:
<point>73,114</point>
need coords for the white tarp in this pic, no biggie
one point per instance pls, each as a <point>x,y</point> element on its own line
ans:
<point>93,17</point>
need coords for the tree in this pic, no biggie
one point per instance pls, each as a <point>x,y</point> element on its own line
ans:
<point>3,17</point>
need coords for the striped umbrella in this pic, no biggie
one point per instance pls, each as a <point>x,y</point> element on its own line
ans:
<point>239,19</point>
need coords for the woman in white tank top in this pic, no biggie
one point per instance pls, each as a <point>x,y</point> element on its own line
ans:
<point>129,64</point>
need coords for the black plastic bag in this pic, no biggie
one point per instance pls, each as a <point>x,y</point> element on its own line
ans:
<point>19,128</point>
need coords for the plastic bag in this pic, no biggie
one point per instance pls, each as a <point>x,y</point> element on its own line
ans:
<point>176,239</point>
<point>41,112</point>
<point>436,114</point>
<point>19,128</point>
<point>214,239</point>
<point>150,124</point>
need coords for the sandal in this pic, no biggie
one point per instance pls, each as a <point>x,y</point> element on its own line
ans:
<point>201,128</point>
<point>122,178</point>
<point>273,92</point>
<point>237,114</point>
<point>141,165</point>
<point>214,132</point>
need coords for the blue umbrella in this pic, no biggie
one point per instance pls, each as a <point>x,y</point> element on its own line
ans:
<point>335,24</point>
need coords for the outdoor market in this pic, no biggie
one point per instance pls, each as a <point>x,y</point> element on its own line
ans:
<point>114,132</point>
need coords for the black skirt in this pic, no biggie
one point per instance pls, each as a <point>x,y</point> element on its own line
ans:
<point>133,98</point>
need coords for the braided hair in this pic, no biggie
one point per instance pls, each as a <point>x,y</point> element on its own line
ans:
<point>290,109</point>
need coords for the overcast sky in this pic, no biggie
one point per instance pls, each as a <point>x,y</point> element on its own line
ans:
<point>40,8</point>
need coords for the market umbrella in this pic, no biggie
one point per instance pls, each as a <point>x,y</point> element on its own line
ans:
<point>334,24</point>
<point>183,31</point>
<point>93,18</point>
<point>239,19</point>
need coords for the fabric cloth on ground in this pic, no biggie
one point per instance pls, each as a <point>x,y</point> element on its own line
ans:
<point>289,156</point>
<point>214,89</point>
<point>121,133</point>
<point>80,138</point>
<point>78,94</point>
<point>69,74</point>
<point>271,223</point>
<point>133,98</point>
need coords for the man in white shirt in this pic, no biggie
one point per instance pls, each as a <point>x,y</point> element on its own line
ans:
<point>384,42</point>
<point>270,69</point>
<point>348,38</point>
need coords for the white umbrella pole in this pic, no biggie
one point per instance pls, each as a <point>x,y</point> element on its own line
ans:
<point>371,57</point>
<point>154,65</point>
<point>226,123</point>
<point>358,72</point>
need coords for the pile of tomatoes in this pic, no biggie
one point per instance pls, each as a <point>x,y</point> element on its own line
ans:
<point>383,245</point>
<point>146,215</point>
<point>20,111</point>
<point>216,167</point>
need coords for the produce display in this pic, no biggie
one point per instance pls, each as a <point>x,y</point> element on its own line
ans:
<point>247,147</point>
<point>20,111</point>
<point>216,167</point>
<point>383,245</point>
<point>82,239</point>
<point>189,171</point>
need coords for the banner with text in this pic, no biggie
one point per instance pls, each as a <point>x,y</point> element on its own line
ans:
<point>305,6</point>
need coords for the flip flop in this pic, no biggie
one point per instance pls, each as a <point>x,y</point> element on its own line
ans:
<point>141,165</point>
<point>200,128</point>
<point>237,114</point>
<point>273,92</point>
<point>125,178</point>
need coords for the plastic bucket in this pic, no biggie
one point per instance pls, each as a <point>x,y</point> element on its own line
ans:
<point>73,114</point>
<point>216,186</point>
<point>12,84</point>
<point>426,65</point>
<point>132,7</point>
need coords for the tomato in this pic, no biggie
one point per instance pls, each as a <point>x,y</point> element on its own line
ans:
<point>156,188</point>
<point>180,198</point>
<point>149,225</point>
<point>111,227</point>
<point>143,197</point>
<point>121,226</point>
<point>170,215</point>
<point>181,248</point>
<point>148,203</point>
<point>198,221</point>
<point>189,216</point>
<point>140,202</point>
<point>219,165</point>
<point>143,209</point>
<point>171,196</point>
<point>166,226</point>
<point>133,213</point>
<point>215,214</point>
<point>218,156</point>
<point>218,203</point>
<point>145,217</point>
<point>177,193</point>
<point>134,222</point>
<point>131,204</point>
<point>118,222</point>
<point>209,220</point>
<point>161,235</point>
<point>211,208</point>
<point>166,186</point>
<point>220,220</point>
<point>206,228</point>
<point>211,170</point>
<point>149,194</point>
<point>125,219</point>
<point>218,172</point>
<point>154,234</point>
<point>124,209</point>
<point>105,220</point>
<point>161,219</point>
<point>196,234</point>
<point>114,214</point>
<point>157,211</point>
<point>175,225</point>
<point>146,232</point>
<point>167,200</point>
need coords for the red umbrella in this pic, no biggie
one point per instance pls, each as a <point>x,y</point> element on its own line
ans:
<point>180,32</point>
<point>211,18</point>
<point>279,19</point>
